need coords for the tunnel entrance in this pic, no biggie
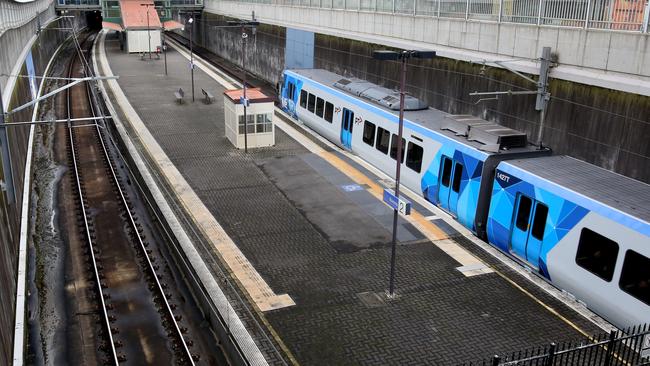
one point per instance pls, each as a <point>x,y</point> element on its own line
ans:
<point>94,19</point>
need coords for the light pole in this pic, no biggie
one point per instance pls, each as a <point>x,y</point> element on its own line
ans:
<point>164,48</point>
<point>403,56</point>
<point>191,22</point>
<point>148,28</point>
<point>245,24</point>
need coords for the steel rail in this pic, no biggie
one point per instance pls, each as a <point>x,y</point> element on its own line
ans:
<point>131,220</point>
<point>87,230</point>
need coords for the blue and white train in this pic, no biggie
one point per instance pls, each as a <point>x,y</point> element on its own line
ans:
<point>584,229</point>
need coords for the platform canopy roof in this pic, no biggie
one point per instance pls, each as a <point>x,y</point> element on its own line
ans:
<point>254,95</point>
<point>134,14</point>
<point>172,24</point>
<point>112,26</point>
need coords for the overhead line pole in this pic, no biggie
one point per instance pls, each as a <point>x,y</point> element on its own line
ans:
<point>543,96</point>
<point>245,24</point>
<point>403,57</point>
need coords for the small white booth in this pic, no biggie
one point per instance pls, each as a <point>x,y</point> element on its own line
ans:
<point>259,113</point>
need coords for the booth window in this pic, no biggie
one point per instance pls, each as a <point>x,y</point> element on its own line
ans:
<point>264,123</point>
<point>250,118</point>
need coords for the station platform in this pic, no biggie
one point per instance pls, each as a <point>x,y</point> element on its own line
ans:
<point>302,232</point>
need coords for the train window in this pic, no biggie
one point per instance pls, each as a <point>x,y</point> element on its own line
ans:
<point>523,212</point>
<point>446,171</point>
<point>292,90</point>
<point>414,157</point>
<point>597,254</point>
<point>383,138</point>
<point>369,133</point>
<point>393,148</point>
<point>635,276</point>
<point>320,107</point>
<point>458,173</point>
<point>311,103</point>
<point>303,99</point>
<point>329,111</point>
<point>539,221</point>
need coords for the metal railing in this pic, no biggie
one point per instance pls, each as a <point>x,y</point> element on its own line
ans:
<point>14,14</point>
<point>629,347</point>
<point>628,15</point>
<point>80,3</point>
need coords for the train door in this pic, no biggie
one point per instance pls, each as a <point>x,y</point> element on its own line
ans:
<point>347,122</point>
<point>528,227</point>
<point>450,175</point>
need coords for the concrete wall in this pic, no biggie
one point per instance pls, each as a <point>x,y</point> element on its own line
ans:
<point>12,44</point>
<point>601,126</point>
<point>265,53</point>
<point>612,59</point>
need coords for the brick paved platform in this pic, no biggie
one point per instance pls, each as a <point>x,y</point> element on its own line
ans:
<point>315,234</point>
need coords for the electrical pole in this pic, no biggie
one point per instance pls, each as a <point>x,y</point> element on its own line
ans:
<point>542,91</point>
<point>243,63</point>
<point>245,24</point>
<point>543,96</point>
<point>148,27</point>
<point>403,57</point>
<point>164,48</point>
<point>400,130</point>
<point>191,21</point>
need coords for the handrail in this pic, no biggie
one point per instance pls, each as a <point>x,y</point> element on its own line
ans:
<point>629,15</point>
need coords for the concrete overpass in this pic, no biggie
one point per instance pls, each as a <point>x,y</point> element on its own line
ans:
<point>593,45</point>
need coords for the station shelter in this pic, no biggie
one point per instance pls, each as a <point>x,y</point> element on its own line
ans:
<point>139,23</point>
<point>259,116</point>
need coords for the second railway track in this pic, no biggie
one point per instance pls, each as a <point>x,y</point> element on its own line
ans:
<point>139,314</point>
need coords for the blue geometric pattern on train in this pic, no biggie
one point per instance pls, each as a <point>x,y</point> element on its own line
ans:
<point>562,216</point>
<point>288,104</point>
<point>469,185</point>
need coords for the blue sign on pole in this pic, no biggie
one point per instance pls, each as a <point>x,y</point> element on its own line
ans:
<point>401,205</point>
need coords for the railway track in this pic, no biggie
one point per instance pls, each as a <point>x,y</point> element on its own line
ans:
<point>138,320</point>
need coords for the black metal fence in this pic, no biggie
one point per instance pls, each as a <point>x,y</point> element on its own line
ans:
<point>630,347</point>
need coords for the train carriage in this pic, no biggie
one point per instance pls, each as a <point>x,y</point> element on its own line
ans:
<point>442,159</point>
<point>585,228</point>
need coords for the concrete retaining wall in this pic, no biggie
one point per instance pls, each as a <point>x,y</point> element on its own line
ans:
<point>12,44</point>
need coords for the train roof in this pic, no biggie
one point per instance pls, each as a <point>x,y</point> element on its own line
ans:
<point>578,179</point>
<point>429,118</point>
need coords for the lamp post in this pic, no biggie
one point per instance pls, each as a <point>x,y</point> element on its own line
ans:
<point>164,48</point>
<point>245,24</point>
<point>402,56</point>
<point>191,21</point>
<point>148,28</point>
